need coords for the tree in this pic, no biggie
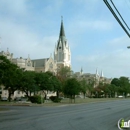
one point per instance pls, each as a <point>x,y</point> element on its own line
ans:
<point>28,83</point>
<point>64,73</point>
<point>72,88</point>
<point>10,75</point>
<point>43,80</point>
<point>116,82</point>
<point>123,85</point>
<point>57,85</point>
<point>113,89</point>
<point>84,86</point>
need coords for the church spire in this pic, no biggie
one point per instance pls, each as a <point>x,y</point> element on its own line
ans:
<point>81,71</point>
<point>62,54</point>
<point>62,32</point>
<point>102,74</point>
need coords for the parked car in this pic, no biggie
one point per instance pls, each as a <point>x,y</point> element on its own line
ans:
<point>120,96</point>
<point>21,99</point>
<point>17,99</point>
<point>4,99</point>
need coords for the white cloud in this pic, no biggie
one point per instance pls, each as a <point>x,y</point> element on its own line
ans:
<point>21,41</point>
<point>91,25</point>
<point>114,59</point>
<point>112,65</point>
<point>13,6</point>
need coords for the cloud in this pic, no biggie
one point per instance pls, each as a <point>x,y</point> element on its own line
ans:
<point>112,65</point>
<point>54,7</point>
<point>31,27</point>
<point>21,41</point>
<point>13,6</point>
<point>114,60</point>
<point>95,25</point>
<point>91,25</point>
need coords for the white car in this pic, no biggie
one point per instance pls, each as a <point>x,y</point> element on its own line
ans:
<point>4,98</point>
<point>120,96</point>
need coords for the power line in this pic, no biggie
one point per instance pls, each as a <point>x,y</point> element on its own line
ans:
<point>116,17</point>
<point>119,14</point>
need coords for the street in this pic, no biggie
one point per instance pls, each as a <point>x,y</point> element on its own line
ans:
<point>92,116</point>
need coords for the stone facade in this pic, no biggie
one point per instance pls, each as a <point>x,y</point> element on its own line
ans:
<point>92,78</point>
<point>46,64</point>
<point>25,64</point>
<point>7,54</point>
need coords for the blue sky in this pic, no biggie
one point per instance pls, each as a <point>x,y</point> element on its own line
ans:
<point>96,39</point>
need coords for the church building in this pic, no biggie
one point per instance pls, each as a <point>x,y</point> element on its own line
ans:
<point>62,54</point>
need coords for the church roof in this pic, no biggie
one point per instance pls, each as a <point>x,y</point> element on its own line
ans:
<point>40,62</point>
<point>62,32</point>
<point>62,42</point>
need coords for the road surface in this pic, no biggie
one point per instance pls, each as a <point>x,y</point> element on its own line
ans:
<point>92,116</point>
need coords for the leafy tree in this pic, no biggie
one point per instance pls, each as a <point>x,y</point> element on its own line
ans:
<point>123,85</point>
<point>28,83</point>
<point>43,80</point>
<point>84,86</point>
<point>10,75</point>
<point>72,88</point>
<point>113,89</point>
<point>90,83</point>
<point>64,73</point>
<point>116,82</point>
<point>57,85</point>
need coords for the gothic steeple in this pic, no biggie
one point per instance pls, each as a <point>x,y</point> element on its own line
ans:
<point>102,74</point>
<point>62,42</point>
<point>62,54</point>
<point>62,32</point>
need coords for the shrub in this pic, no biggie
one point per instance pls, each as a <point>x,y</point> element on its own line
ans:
<point>55,99</point>
<point>36,99</point>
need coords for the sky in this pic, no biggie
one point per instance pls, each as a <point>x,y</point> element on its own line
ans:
<point>96,40</point>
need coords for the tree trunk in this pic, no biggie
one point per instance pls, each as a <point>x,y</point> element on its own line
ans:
<point>45,95</point>
<point>57,94</point>
<point>74,98</point>
<point>27,94</point>
<point>9,97</point>
<point>84,95</point>
<point>71,98</point>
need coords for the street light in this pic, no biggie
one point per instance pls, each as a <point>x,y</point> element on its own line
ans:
<point>128,47</point>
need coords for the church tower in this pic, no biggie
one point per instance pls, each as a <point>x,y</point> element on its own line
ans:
<point>62,54</point>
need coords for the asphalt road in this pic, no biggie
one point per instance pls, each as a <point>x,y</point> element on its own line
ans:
<point>92,116</point>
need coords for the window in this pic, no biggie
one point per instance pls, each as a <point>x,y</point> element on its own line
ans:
<point>60,56</point>
<point>51,65</point>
